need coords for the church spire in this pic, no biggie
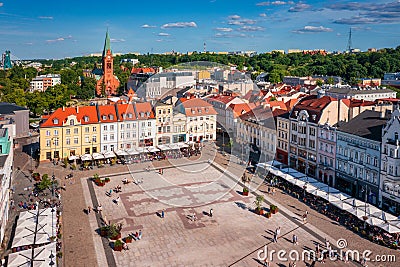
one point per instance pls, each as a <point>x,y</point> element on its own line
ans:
<point>106,44</point>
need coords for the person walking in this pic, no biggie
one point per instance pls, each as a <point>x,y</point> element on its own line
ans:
<point>140,234</point>
<point>162,214</point>
<point>294,239</point>
<point>211,212</point>
<point>89,209</point>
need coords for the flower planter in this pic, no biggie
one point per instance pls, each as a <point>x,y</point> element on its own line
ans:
<point>245,193</point>
<point>128,239</point>
<point>36,177</point>
<point>260,211</point>
<point>268,215</point>
<point>107,180</point>
<point>274,211</point>
<point>118,248</point>
<point>116,237</point>
<point>101,184</point>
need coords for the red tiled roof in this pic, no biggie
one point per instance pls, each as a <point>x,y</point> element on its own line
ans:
<point>144,111</point>
<point>107,113</point>
<point>223,98</point>
<point>242,108</point>
<point>351,103</point>
<point>88,111</point>
<point>313,105</point>
<point>124,111</point>
<point>142,70</point>
<point>279,104</point>
<point>198,107</point>
<point>58,117</point>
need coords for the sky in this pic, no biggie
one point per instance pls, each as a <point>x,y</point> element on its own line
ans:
<point>58,29</point>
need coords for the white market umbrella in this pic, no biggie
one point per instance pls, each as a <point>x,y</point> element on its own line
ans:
<point>72,157</point>
<point>86,157</point>
<point>121,153</point>
<point>97,156</point>
<point>389,228</point>
<point>342,205</point>
<point>109,154</point>
<point>374,221</point>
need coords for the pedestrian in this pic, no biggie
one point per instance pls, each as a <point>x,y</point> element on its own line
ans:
<point>140,234</point>
<point>275,240</point>
<point>125,246</point>
<point>162,214</point>
<point>278,231</point>
<point>211,212</point>
<point>266,262</point>
<point>294,239</point>
<point>326,243</point>
<point>305,215</point>
<point>117,200</point>
<point>89,209</point>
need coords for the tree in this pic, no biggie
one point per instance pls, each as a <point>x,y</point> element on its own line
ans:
<point>87,89</point>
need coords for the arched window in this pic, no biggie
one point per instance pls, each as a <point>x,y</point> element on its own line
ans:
<point>71,122</point>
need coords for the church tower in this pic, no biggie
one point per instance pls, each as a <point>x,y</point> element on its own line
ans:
<point>108,83</point>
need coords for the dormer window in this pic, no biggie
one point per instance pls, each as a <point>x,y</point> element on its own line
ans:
<point>111,116</point>
<point>148,114</point>
<point>124,116</point>
<point>55,121</point>
<point>130,115</point>
<point>193,111</point>
<point>141,114</point>
<point>314,117</point>
<point>104,117</point>
<point>199,110</point>
<point>71,122</point>
<point>206,109</point>
<point>295,113</point>
<point>86,119</point>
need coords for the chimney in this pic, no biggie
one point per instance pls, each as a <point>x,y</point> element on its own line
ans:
<point>77,109</point>
<point>63,108</point>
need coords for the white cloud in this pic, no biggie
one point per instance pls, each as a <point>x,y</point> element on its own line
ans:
<point>234,17</point>
<point>117,40</point>
<point>224,29</point>
<point>148,26</point>
<point>241,22</point>
<point>250,29</point>
<point>263,15</point>
<point>179,25</point>
<point>164,34</point>
<point>45,17</point>
<point>230,35</point>
<point>1,4</point>
<point>313,29</point>
<point>274,3</point>
<point>300,7</point>
<point>59,39</point>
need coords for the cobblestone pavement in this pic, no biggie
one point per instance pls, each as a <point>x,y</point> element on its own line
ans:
<point>233,236</point>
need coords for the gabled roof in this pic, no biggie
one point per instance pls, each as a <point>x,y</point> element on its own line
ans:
<point>107,113</point>
<point>198,107</point>
<point>87,115</point>
<point>225,99</point>
<point>313,105</point>
<point>260,115</point>
<point>240,109</point>
<point>291,103</point>
<point>58,117</point>
<point>144,111</point>
<point>126,112</point>
<point>368,124</point>
<point>142,70</point>
<point>351,103</point>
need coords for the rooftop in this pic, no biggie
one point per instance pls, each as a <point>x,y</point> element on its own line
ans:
<point>368,125</point>
<point>8,108</point>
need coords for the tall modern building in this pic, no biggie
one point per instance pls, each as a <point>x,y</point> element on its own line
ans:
<point>108,83</point>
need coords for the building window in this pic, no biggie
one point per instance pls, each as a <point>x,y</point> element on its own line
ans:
<point>47,133</point>
<point>86,129</point>
<point>71,122</point>
<point>48,142</point>
<point>55,132</point>
<point>94,129</point>
<point>76,140</point>
<point>105,127</point>
<point>111,137</point>
<point>94,139</point>
<point>111,127</point>
<point>105,137</point>
<point>87,140</point>
<point>149,124</point>
<point>68,141</point>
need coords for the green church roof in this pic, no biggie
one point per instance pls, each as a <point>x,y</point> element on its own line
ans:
<point>107,45</point>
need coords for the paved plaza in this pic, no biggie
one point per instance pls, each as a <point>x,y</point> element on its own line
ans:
<point>233,236</point>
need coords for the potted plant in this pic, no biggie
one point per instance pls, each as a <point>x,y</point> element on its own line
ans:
<point>245,179</point>
<point>114,232</point>
<point>268,215</point>
<point>258,202</point>
<point>65,162</point>
<point>104,230</point>
<point>118,245</point>
<point>273,209</point>
<point>107,179</point>
<point>113,161</point>
<point>128,239</point>
<point>36,176</point>
<point>73,167</point>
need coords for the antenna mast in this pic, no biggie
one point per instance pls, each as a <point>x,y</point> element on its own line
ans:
<point>349,44</point>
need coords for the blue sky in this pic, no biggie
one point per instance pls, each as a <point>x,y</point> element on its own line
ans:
<point>58,29</point>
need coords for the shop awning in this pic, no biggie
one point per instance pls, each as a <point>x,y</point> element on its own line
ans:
<point>152,149</point>
<point>109,154</point>
<point>164,147</point>
<point>121,153</point>
<point>44,256</point>
<point>132,151</point>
